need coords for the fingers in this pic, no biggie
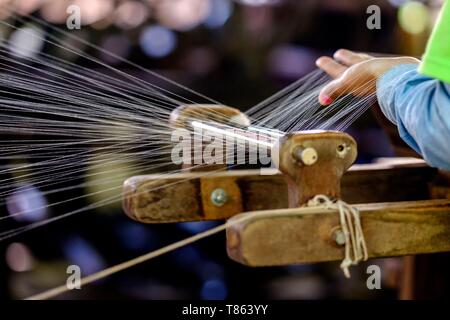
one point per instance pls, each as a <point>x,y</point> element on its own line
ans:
<point>343,58</point>
<point>330,66</point>
<point>341,68</point>
<point>331,92</point>
<point>349,58</point>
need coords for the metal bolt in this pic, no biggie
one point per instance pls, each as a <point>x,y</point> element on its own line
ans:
<point>219,197</point>
<point>339,237</point>
<point>308,156</point>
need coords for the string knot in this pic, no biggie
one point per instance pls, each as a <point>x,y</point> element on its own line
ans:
<point>355,244</point>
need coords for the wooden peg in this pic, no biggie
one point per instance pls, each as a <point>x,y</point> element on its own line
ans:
<point>314,162</point>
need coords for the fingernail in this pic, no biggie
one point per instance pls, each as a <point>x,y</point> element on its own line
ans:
<point>325,100</point>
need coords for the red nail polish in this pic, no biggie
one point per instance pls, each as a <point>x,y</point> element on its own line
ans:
<point>326,100</point>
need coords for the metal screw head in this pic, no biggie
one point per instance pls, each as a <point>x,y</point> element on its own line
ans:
<point>219,197</point>
<point>339,237</point>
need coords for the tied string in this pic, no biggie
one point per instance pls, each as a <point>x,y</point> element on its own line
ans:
<point>355,244</point>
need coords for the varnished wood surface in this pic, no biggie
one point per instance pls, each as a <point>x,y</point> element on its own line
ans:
<point>292,236</point>
<point>183,197</point>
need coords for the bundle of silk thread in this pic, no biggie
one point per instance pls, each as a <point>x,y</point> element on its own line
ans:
<point>60,117</point>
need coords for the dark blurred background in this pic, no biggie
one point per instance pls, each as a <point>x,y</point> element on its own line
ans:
<point>236,52</point>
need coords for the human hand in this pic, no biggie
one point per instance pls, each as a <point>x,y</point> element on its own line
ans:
<point>354,73</point>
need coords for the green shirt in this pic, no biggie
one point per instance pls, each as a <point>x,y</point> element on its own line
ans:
<point>436,60</point>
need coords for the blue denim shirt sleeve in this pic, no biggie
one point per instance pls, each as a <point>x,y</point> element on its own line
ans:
<point>420,107</point>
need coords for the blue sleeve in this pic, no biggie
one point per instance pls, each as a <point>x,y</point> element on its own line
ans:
<point>420,107</point>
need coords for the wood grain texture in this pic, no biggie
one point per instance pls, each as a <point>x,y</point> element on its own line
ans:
<point>147,199</point>
<point>293,236</point>
<point>162,200</point>
<point>233,204</point>
<point>334,152</point>
<point>187,196</point>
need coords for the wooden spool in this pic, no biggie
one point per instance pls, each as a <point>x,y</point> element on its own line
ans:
<point>183,117</point>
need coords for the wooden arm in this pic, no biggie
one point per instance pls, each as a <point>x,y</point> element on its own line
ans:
<point>307,235</point>
<point>187,196</point>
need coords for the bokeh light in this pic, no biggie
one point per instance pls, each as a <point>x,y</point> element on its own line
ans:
<point>182,15</point>
<point>18,257</point>
<point>55,11</point>
<point>258,2</point>
<point>104,182</point>
<point>214,289</point>
<point>29,6</point>
<point>27,42</point>
<point>398,3</point>
<point>81,253</point>
<point>220,12</point>
<point>94,10</point>
<point>130,14</point>
<point>27,204</point>
<point>157,41</point>
<point>413,17</point>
